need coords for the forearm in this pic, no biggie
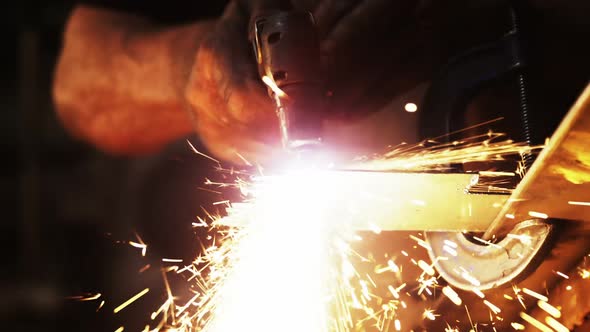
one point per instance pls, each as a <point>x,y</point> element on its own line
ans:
<point>119,81</point>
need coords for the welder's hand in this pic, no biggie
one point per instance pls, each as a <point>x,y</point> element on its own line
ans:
<point>234,116</point>
<point>371,51</point>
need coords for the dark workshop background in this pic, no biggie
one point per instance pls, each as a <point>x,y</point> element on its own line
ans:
<point>69,209</point>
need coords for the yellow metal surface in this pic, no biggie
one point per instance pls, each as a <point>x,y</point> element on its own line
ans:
<point>385,200</point>
<point>558,184</point>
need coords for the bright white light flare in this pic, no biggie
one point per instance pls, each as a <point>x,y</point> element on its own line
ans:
<point>278,279</point>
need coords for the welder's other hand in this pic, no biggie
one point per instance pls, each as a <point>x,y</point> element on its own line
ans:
<point>233,114</point>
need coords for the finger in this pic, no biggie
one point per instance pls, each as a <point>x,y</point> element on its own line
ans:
<point>233,125</point>
<point>234,115</point>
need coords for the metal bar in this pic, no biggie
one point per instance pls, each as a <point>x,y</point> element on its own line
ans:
<point>378,200</point>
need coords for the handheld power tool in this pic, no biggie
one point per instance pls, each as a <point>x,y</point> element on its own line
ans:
<point>287,52</point>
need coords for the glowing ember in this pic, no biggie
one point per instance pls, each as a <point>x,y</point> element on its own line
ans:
<point>556,325</point>
<point>492,307</point>
<point>535,294</point>
<point>535,323</point>
<point>85,297</point>
<point>517,326</point>
<point>429,314</point>
<point>548,308</point>
<point>538,215</point>
<point>452,295</point>
<point>131,300</point>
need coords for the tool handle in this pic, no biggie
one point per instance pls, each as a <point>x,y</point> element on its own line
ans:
<point>287,51</point>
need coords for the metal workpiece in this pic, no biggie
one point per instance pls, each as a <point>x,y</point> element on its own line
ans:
<point>287,53</point>
<point>387,201</point>
<point>555,192</point>
<point>469,263</point>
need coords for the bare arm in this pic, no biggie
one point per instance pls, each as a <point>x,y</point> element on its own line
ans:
<point>119,83</point>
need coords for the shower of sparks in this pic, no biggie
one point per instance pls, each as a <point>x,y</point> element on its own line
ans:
<point>517,326</point>
<point>290,269</point>
<point>432,155</point>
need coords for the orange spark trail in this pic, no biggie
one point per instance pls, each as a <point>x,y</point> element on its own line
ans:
<point>131,300</point>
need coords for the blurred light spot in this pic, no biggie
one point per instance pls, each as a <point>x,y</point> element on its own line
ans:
<point>411,107</point>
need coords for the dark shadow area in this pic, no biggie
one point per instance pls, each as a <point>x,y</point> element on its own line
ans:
<point>69,210</point>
